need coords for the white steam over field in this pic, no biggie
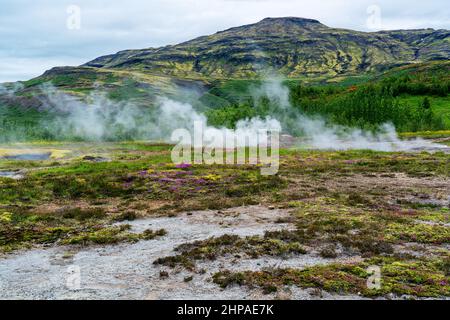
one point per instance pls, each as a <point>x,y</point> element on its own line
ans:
<point>99,118</point>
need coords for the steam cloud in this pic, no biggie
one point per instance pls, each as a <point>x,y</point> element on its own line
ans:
<point>318,134</point>
<point>99,118</point>
<point>10,90</point>
<point>103,119</point>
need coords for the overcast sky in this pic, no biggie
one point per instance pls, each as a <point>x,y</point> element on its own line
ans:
<point>37,35</point>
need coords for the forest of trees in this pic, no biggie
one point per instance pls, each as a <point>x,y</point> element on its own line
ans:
<point>365,106</point>
<point>369,106</point>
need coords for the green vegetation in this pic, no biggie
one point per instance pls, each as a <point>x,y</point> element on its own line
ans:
<point>413,100</point>
<point>113,235</point>
<point>357,226</point>
<point>348,82</point>
<point>213,248</point>
<point>18,124</point>
<point>374,208</point>
<point>292,47</point>
<point>421,278</point>
<point>21,228</point>
<point>349,209</point>
<point>140,173</point>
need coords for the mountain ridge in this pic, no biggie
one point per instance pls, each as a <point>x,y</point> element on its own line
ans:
<point>294,47</point>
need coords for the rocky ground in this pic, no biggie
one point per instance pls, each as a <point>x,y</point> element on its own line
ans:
<point>134,226</point>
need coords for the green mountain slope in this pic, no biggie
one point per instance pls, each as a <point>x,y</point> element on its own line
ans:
<point>293,47</point>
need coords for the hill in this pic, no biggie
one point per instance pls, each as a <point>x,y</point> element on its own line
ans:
<point>329,72</point>
<point>293,47</point>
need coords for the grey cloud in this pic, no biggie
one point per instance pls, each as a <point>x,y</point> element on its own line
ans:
<point>34,33</point>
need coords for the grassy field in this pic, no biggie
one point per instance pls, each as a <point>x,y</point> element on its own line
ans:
<point>440,105</point>
<point>353,208</point>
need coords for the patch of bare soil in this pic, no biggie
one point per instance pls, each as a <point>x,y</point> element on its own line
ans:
<point>126,271</point>
<point>383,189</point>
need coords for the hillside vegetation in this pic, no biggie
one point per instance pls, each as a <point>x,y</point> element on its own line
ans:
<point>347,77</point>
<point>413,98</point>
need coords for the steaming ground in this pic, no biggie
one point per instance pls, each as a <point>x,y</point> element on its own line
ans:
<point>386,140</point>
<point>99,119</point>
<point>325,209</point>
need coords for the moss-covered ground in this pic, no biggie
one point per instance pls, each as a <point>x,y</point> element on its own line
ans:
<point>387,209</point>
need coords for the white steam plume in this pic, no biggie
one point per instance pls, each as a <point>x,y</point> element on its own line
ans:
<point>103,119</point>
<point>10,89</point>
<point>100,118</point>
<point>175,115</point>
<point>320,135</point>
